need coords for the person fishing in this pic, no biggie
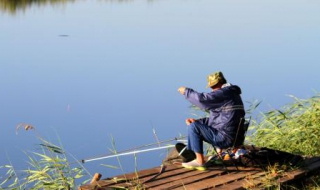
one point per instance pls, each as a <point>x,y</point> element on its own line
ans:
<point>220,129</point>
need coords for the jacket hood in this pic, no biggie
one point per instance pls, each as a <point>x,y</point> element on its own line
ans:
<point>232,89</point>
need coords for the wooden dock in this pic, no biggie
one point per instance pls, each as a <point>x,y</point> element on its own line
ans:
<point>215,177</point>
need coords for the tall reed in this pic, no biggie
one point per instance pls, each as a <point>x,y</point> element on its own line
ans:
<point>294,128</point>
<point>49,168</point>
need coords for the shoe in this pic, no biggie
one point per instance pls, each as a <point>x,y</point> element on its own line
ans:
<point>194,165</point>
<point>187,155</point>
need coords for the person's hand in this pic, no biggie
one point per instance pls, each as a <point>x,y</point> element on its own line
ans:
<point>182,90</point>
<point>189,121</point>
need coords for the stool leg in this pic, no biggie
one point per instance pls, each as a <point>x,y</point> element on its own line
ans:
<point>230,152</point>
<point>218,152</point>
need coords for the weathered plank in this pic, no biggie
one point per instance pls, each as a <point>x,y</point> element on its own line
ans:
<point>313,164</point>
<point>218,181</point>
<point>176,177</point>
<point>125,179</point>
<point>310,165</point>
<point>182,179</point>
<point>241,184</point>
<point>167,173</point>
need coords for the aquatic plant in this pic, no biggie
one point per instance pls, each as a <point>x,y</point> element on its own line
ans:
<point>294,128</point>
<point>48,168</point>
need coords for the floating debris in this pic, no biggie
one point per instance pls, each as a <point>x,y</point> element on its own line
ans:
<point>25,126</point>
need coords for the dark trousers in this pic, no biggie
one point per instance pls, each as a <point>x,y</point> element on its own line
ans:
<point>197,133</point>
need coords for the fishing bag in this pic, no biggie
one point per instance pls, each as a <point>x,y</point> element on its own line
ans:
<point>265,157</point>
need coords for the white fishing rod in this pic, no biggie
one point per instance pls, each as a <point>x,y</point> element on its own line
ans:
<point>134,150</point>
<point>127,153</point>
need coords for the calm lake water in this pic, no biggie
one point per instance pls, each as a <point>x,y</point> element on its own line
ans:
<point>88,71</point>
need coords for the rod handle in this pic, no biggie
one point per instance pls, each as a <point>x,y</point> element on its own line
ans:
<point>95,178</point>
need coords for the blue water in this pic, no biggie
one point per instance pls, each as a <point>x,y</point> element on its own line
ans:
<point>85,72</point>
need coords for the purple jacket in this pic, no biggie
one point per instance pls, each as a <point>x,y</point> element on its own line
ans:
<point>225,107</point>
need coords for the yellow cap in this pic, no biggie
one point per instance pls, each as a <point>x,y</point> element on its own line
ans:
<point>215,78</point>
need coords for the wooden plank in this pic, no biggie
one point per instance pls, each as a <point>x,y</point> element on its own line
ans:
<point>299,173</point>
<point>245,183</point>
<point>127,177</point>
<point>173,178</point>
<point>182,178</point>
<point>167,177</point>
<point>309,166</point>
<point>166,173</point>
<point>194,175</point>
<point>143,175</point>
<point>221,180</point>
<point>146,172</point>
<point>177,177</point>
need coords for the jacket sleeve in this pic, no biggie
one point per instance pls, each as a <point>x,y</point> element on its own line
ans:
<point>202,100</point>
<point>204,120</point>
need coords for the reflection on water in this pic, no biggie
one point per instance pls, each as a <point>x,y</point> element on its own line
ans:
<point>13,6</point>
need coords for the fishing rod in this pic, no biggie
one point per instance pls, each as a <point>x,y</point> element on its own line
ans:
<point>135,150</point>
<point>126,153</point>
